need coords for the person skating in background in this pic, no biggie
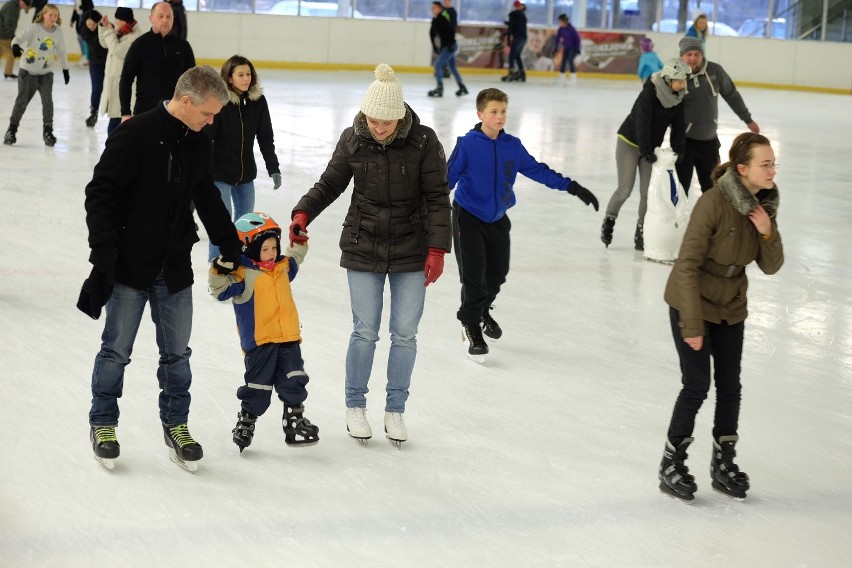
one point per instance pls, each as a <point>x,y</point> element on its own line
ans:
<point>649,61</point>
<point>81,8</point>
<point>706,82</point>
<point>516,35</point>
<point>88,30</point>
<point>141,234</point>
<point>657,108</point>
<point>443,39</point>
<point>731,225</point>
<point>180,28</point>
<point>568,42</point>
<point>699,29</point>
<point>453,16</point>
<point>484,159</point>
<point>233,132</point>
<point>268,326</point>
<point>41,47</point>
<point>9,15</point>
<point>117,38</point>
<point>396,231</point>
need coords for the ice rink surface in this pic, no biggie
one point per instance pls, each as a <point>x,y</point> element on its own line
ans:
<point>546,455</point>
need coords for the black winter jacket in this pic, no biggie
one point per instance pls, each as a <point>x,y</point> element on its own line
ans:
<point>517,25</point>
<point>648,120</point>
<point>156,63</point>
<point>233,132</point>
<point>442,33</point>
<point>400,201</point>
<point>138,202</point>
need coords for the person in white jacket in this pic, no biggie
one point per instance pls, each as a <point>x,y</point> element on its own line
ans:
<point>117,39</point>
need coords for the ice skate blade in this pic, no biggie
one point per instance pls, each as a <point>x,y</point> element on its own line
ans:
<point>719,488</point>
<point>303,444</point>
<point>683,497</point>
<point>361,441</point>
<point>191,467</point>
<point>476,358</point>
<point>108,463</point>
<point>395,443</point>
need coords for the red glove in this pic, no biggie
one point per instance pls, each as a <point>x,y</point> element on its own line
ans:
<point>434,266</point>
<point>298,228</point>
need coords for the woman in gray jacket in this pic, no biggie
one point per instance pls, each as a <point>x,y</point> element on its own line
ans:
<point>731,225</point>
<point>397,229</point>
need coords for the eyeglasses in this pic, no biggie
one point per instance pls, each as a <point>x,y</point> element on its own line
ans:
<point>768,166</point>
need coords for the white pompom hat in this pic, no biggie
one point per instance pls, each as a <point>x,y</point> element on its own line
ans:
<point>383,99</point>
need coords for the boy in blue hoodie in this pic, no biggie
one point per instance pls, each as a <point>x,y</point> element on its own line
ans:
<point>483,168</point>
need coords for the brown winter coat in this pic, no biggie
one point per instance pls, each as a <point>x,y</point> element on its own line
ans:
<point>400,201</point>
<point>720,240</point>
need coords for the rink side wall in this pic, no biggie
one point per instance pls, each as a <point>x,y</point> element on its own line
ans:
<point>339,43</point>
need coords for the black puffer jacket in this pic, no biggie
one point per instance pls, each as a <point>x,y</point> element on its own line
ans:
<point>648,120</point>
<point>233,132</point>
<point>138,202</point>
<point>400,202</point>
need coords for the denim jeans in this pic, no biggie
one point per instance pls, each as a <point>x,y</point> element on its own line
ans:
<point>366,293</point>
<point>446,57</point>
<point>172,317</point>
<point>242,195</point>
<point>515,54</point>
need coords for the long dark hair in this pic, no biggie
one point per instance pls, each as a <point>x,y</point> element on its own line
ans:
<point>740,152</point>
<point>230,64</point>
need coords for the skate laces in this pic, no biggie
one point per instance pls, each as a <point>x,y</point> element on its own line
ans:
<point>105,434</point>
<point>180,434</point>
<point>488,321</point>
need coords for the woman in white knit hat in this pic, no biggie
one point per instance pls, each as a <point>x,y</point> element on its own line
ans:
<point>396,230</point>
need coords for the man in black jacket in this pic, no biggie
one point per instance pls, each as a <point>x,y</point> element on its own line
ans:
<point>154,61</point>
<point>141,233</point>
<point>444,45</point>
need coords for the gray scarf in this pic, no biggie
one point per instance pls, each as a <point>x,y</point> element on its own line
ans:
<point>741,199</point>
<point>665,95</point>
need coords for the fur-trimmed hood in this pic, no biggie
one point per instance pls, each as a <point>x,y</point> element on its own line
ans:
<point>402,130</point>
<point>254,93</point>
<point>741,199</point>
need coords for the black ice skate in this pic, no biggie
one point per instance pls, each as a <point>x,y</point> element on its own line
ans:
<point>490,327</point>
<point>462,90</point>
<point>437,91</point>
<point>727,477</point>
<point>674,475</point>
<point>472,338</point>
<point>10,138</point>
<point>104,444</point>
<point>639,238</point>
<point>298,430</point>
<point>93,118</point>
<point>49,138</point>
<point>244,430</point>
<point>606,230</point>
<point>183,449</point>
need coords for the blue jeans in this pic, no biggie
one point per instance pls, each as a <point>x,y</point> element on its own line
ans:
<point>515,54</point>
<point>366,293</point>
<point>172,317</point>
<point>446,57</point>
<point>242,195</point>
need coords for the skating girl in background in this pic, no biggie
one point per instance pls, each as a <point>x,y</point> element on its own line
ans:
<point>568,42</point>
<point>245,117</point>
<point>731,225</point>
<point>649,61</point>
<point>39,47</point>
<point>117,39</point>
<point>699,28</point>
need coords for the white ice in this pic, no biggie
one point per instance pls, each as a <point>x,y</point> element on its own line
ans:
<point>546,455</point>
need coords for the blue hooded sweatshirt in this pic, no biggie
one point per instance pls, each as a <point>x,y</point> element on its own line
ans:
<point>483,172</point>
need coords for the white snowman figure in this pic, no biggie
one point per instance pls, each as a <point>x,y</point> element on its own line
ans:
<point>668,212</point>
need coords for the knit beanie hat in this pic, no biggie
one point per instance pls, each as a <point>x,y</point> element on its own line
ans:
<point>691,44</point>
<point>383,99</point>
<point>125,14</point>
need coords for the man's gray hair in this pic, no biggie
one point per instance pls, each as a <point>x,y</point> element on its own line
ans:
<point>200,83</point>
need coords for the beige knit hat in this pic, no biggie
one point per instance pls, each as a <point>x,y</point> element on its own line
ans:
<point>383,99</point>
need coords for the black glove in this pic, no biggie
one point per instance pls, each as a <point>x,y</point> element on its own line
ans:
<point>226,263</point>
<point>650,158</point>
<point>103,259</point>
<point>584,194</point>
<point>17,51</point>
<point>94,294</point>
<point>679,158</point>
<point>67,75</point>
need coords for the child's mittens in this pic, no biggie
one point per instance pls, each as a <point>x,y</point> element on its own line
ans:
<point>17,51</point>
<point>583,194</point>
<point>67,75</point>
<point>297,251</point>
<point>217,282</point>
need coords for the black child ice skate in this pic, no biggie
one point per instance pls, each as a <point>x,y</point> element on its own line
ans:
<point>298,430</point>
<point>47,134</point>
<point>105,445</point>
<point>183,449</point>
<point>606,230</point>
<point>674,475</point>
<point>490,327</point>
<point>727,477</point>
<point>244,430</point>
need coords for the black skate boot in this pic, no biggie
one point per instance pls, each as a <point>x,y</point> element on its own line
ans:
<point>462,90</point>
<point>727,477</point>
<point>509,77</point>
<point>49,138</point>
<point>521,76</point>
<point>93,118</point>
<point>606,230</point>
<point>477,349</point>
<point>104,444</point>
<point>639,238</point>
<point>10,139</point>
<point>183,449</point>
<point>490,327</point>
<point>674,475</point>
<point>437,91</point>
<point>298,430</point>
<point>244,430</point>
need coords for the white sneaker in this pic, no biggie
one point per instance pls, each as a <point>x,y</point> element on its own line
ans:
<point>395,427</point>
<point>357,425</point>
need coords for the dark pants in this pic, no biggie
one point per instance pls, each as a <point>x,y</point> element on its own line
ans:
<point>568,56</point>
<point>96,74</point>
<point>482,254</point>
<point>725,343</point>
<point>703,155</point>
<point>515,49</point>
<point>113,124</point>
<point>28,85</point>
<point>273,365</point>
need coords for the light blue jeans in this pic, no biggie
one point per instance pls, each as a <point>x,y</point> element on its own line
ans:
<point>172,317</point>
<point>242,195</point>
<point>366,293</point>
